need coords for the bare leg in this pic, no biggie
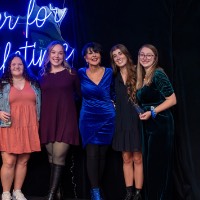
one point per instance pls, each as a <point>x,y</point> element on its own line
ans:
<point>20,170</point>
<point>138,169</point>
<point>7,170</point>
<point>128,168</point>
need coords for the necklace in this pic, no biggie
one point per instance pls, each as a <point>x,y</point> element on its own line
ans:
<point>18,79</point>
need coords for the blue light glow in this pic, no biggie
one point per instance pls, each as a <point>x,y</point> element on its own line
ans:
<point>10,20</point>
<point>37,17</point>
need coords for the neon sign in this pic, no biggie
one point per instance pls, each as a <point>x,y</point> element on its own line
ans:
<point>37,18</point>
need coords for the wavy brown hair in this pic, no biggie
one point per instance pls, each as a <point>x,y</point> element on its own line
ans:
<point>46,65</point>
<point>131,70</point>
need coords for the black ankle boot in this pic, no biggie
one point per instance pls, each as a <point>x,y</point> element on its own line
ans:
<point>129,193</point>
<point>56,172</point>
<point>137,195</point>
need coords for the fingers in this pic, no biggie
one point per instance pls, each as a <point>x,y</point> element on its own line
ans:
<point>145,116</point>
<point>4,116</point>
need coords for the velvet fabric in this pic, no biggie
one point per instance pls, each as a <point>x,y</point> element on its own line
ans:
<point>158,137</point>
<point>97,115</point>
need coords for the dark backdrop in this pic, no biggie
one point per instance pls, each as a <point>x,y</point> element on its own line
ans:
<point>173,26</point>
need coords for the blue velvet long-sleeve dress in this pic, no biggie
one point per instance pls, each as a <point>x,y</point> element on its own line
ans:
<point>97,115</point>
<point>158,137</point>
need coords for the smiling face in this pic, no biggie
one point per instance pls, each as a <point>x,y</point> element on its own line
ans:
<point>146,57</point>
<point>119,58</point>
<point>93,58</point>
<point>16,67</point>
<point>56,56</point>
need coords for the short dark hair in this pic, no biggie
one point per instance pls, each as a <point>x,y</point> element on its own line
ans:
<point>96,47</point>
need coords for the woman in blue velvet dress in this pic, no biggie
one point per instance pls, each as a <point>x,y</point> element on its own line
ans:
<point>155,95</point>
<point>97,114</point>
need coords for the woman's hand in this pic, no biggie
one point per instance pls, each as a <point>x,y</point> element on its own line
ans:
<point>145,116</point>
<point>4,116</point>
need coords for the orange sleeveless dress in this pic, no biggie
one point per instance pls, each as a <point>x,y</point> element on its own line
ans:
<point>22,136</point>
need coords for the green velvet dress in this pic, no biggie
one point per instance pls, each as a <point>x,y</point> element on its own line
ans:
<point>158,137</point>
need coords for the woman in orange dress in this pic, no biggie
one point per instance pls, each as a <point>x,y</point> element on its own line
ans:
<point>19,115</point>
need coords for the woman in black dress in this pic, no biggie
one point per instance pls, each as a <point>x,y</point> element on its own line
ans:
<point>127,135</point>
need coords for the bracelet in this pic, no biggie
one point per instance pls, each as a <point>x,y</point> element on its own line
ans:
<point>153,112</point>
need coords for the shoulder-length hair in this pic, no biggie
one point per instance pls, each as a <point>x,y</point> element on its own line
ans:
<point>7,76</point>
<point>131,70</point>
<point>46,64</point>
<point>92,46</point>
<point>140,69</point>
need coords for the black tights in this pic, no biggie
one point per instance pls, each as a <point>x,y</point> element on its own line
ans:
<point>96,157</point>
<point>57,152</point>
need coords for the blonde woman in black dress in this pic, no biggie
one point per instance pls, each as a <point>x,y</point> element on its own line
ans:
<point>127,135</point>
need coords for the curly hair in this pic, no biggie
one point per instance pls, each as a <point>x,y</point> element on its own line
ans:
<point>131,69</point>
<point>46,65</point>
<point>7,75</point>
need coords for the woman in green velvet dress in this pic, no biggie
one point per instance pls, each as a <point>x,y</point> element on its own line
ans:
<point>155,95</point>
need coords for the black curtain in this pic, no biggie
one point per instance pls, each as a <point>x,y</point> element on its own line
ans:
<point>173,26</point>
<point>186,31</point>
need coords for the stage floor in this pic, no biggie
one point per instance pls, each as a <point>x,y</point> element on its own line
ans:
<point>42,198</point>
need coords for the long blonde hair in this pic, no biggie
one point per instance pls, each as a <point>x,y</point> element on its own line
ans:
<point>131,70</point>
<point>140,69</point>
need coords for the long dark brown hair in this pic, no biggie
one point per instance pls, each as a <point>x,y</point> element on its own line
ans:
<point>7,76</point>
<point>131,70</point>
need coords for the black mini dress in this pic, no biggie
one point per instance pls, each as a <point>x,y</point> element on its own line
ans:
<point>127,135</point>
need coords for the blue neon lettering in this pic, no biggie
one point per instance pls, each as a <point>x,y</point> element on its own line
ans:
<point>6,54</point>
<point>39,20</point>
<point>42,15</point>
<point>10,21</point>
<point>58,14</point>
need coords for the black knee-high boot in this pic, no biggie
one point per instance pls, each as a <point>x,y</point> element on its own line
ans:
<point>56,172</point>
<point>59,193</point>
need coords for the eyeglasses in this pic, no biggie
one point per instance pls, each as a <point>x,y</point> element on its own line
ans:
<point>148,56</point>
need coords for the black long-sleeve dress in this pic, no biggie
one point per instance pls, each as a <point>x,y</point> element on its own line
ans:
<point>127,135</point>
